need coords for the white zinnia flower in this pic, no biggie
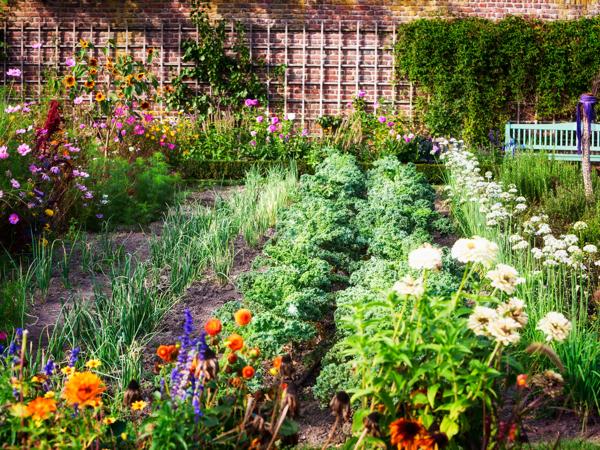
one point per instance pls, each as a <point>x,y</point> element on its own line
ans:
<point>425,257</point>
<point>476,250</point>
<point>505,330</point>
<point>409,286</point>
<point>555,326</point>
<point>480,319</point>
<point>515,310</point>
<point>505,278</point>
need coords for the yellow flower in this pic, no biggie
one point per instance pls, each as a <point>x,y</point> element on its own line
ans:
<point>68,371</point>
<point>139,405</point>
<point>49,394</point>
<point>36,379</point>
<point>69,81</point>
<point>41,407</point>
<point>15,383</point>
<point>83,43</point>
<point>93,364</point>
<point>109,420</point>
<point>124,436</point>
<point>99,97</point>
<point>44,242</point>
<point>49,212</point>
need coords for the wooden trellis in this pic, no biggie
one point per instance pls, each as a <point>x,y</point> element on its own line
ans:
<point>327,62</point>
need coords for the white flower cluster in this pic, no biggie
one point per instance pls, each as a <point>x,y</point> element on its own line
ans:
<point>501,324</point>
<point>497,203</point>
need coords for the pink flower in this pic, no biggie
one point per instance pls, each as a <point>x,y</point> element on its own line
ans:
<point>253,133</point>
<point>23,149</point>
<point>78,100</point>
<point>139,129</point>
<point>304,132</point>
<point>81,126</point>
<point>272,128</point>
<point>15,73</point>
<point>3,152</point>
<point>130,120</point>
<point>70,62</point>
<point>21,131</point>
<point>382,119</point>
<point>119,125</point>
<point>274,120</point>
<point>251,102</point>
<point>36,45</point>
<point>253,143</point>
<point>13,219</point>
<point>361,94</point>
<point>171,146</point>
<point>3,335</point>
<point>148,117</point>
<point>15,184</point>
<point>260,119</point>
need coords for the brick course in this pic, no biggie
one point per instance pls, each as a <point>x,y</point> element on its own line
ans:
<point>324,67</point>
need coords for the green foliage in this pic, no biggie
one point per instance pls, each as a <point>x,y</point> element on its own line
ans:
<point>476,74</point>
<point>231,73</point>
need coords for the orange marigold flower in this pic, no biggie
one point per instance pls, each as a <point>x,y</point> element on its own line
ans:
<point>522,381</point>
<point>243,317</point>
<point>404,433</point>
<point>167,353</point>
<point>213,327</point>
<point>248,372</point>
<point>41,407</point>
<point>84,389</point>
<point>235,342</point>
<point>277,362</point>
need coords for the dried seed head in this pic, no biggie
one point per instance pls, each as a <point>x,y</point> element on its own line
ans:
<point>371,423</point>
<point>132,393</point>
<point>340,405</point>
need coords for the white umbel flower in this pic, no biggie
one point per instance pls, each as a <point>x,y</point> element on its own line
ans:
<point>475,250</point>
<point>505,278</point>
<point>409,286</point>
<point>505,330</point>
<point>590,248</point>
<point>425,257</point>
<point>480,319</point>
<point>555,326</point>
<point>580,226</point>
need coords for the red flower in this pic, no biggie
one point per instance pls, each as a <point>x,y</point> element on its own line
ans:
<point>248,372</point>
<point>213,327</point>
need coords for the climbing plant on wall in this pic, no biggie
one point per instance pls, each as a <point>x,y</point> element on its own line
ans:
<point>475,74</point>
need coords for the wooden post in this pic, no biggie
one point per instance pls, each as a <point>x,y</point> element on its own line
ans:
<point>586,165</point>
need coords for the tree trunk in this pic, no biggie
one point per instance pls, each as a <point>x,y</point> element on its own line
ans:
<point>586,165</point>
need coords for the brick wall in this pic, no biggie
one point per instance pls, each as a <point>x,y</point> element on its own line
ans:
<point>332,47</point>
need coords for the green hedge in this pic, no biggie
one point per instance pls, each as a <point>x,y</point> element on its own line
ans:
<point>476,74</point>
<point>236,170</point>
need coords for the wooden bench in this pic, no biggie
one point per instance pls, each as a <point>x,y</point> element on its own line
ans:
<point>559,140</point>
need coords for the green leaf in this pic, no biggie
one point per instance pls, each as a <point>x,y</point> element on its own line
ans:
<point>431,393</point>
<point>449,426</point>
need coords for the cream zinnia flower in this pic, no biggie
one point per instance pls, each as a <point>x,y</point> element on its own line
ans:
<point>425,257</point>
<point>409,286</point>
<point>555,326</point>
<point>505,278</point>
<point>515,310</point>
<point>475,250</point>
<point>504,330</point>
<point>480,319</point>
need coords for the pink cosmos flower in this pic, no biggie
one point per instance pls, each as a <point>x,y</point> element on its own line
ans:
<point>274,120</point>
<point>36,45</point>
<point>70,62</point>
<point>361,94</point>
<point>148,117</point>
<point>139,130</point>
<point>15,184</point>
<point>130,120</point>
<point>78,100</point>
<point>272,128</point>
<point>253,133</point>
<point>23,149</point>
<point>382,119</point>
<point>14,72</point>
<point>251,102</point>
<point>21,131</point>
<point>81,126</point>
<point>260,119</point>
<point>171,146</point>
<point>253,143</point>
<point>3,152</point>
<point>13,219</point>
<point>119,125</point>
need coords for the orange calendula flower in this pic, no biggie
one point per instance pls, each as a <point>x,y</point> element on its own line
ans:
<point>404,433</point>
<point>213,327</point>
<point>139,405</point>
<point>248,372</point>
<point>99,97</point>
<point>522,381</point>
<point>167,353</point>
<point>84,389</point>
<point>235,342</point>
<point>242,317</point>
<point>41,407</point>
